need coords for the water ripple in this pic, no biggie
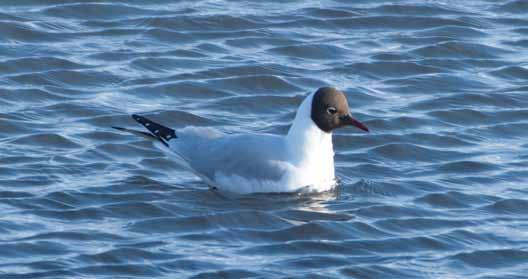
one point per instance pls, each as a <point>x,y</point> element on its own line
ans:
<point>436,190</point>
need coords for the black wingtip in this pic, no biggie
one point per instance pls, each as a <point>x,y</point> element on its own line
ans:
<point>136,117</point>
<point>162,133</point>
<point>136,132</point>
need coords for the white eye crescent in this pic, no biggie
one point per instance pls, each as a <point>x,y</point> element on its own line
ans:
<point>331,110</point>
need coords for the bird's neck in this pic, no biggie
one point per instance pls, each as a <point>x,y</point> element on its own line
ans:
<point>310,151</point>
<point>307,142</point>
<point>310,143</point>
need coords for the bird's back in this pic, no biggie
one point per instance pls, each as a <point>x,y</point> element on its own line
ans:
<point>232,162</point>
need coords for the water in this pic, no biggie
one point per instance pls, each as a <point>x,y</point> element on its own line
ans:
<point>438,189</point>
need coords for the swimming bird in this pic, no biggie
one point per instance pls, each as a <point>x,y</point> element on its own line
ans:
<point>250,163</point>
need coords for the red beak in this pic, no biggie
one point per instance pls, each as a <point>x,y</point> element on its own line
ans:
<point>348,120</point>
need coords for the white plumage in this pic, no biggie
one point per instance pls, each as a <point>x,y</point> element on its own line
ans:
<point>249,163</point>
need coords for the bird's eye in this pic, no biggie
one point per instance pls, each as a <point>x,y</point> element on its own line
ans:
<point>331,110</point>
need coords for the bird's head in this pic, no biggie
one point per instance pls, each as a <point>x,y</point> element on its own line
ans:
<point>330,110</point>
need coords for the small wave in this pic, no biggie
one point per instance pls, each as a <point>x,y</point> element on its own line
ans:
<point>318,51</point>
<point>452,32</point>
<point>438,83</point>
<point>46,140</point>
<point>191,23</point>
<point>384,69</point>
<point>97,11</point>
<point>499,258</point>
<point>20,65</point>
<point>412,153</point>
<point>322,12</point>
<point>417,10</point>
<point>508,206</point>
<point>398,22</point>
<point>23,32</point>
<point>516,7</point>
<point>257,84</point>
<point>459,50</point>
<point>467,167</point>
<point>512,72</point>
<point>67,78</point>
<point>454,199</point>
<point>243,219</point>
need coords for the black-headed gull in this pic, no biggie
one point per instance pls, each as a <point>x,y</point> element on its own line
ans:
<point>249,163</point>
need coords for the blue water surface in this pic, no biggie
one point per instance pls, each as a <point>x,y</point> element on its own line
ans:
<point>438,189</point>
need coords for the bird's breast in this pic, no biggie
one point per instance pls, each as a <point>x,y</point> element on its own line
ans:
<point>314,167</point>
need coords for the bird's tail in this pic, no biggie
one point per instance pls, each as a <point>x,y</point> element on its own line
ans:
<point>157,131</point>
<point>136,132</point>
